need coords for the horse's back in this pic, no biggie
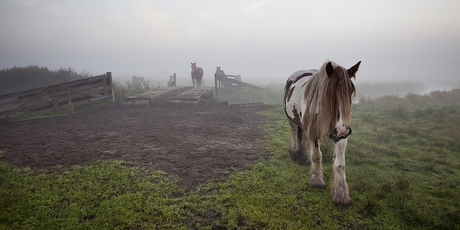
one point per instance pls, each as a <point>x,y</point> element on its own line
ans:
<point>301,74</point>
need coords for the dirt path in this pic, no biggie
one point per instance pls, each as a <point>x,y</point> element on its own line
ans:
<point>192,144</point>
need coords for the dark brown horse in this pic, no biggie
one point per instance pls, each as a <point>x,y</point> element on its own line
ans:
<point>220,77</point>
<point>197,75</point>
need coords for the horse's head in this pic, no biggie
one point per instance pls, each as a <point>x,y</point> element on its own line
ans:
<point>217,70</point>
<point>193,65</point>
<point>339,92</point>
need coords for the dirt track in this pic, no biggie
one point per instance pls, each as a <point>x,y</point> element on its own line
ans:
<point>192,144</point>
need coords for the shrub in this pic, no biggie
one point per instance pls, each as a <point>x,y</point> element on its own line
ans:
<point>24,78</point>
<point>129,89</point>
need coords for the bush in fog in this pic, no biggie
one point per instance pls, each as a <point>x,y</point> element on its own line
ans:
<point>24,78</point>
<point>380,89</point>
<point>129,89</point>
<point>452,96</point>
<point>398,103</point>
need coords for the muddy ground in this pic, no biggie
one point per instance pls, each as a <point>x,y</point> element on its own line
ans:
<point>191,144</point>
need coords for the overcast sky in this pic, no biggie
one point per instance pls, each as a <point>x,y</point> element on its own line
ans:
<point>261,40</point>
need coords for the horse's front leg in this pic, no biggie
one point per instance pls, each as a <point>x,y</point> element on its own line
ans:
<point>340,193</point>
<point>316,168</point>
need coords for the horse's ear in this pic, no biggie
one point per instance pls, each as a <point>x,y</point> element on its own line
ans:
<point>329,69</point>
<point>352,71</point>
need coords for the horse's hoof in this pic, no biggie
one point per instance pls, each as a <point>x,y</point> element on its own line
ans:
<point>317,184</point>
<point>343,203</point>
<point>295,156</point>
<point>304,160</point>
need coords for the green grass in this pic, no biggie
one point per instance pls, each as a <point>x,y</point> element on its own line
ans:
<point>403,171</point>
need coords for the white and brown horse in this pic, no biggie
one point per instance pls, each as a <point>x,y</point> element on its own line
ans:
<point>197,75</point>
<point>317,104</point>
<point>220,77</point>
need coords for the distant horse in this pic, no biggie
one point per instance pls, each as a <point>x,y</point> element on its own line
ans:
<point>138,80</point>
<point>172,80</point>
<point>197,75</point>
<point>220,77</point>
<point>317,104</point>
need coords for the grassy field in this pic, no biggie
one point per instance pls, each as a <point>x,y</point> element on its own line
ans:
<point>403,171</point>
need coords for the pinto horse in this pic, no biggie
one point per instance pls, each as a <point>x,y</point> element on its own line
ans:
<point>197,75</point>
<point>220,77</point>
<point>317,104</point>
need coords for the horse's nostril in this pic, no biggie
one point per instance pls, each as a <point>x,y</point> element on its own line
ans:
<point>349,131</point>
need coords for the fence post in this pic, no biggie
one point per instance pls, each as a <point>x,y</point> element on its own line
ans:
<point>110,83</point>
<point>70,104</point>
<point>54,98</point>
<point>215,85</point>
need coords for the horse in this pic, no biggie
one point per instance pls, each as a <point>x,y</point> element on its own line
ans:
<point>172,80</point>
<point>197,75</point>
<point>317,104</point>
<point>220,77</point>
<point>139,80</point>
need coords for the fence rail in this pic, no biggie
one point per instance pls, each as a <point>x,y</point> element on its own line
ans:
<point>19,105</point>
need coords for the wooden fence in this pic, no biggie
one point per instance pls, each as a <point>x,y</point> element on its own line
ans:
<point>19,105</point>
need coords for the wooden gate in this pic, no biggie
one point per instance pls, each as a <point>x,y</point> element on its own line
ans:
<point>50,98</point>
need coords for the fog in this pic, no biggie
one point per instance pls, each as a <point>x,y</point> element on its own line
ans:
<point>263,41</point>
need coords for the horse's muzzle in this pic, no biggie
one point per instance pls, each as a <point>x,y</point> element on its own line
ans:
<point>335,136</point>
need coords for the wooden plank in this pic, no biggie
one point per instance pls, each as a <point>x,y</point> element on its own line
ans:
<point>69,104</point>
<point>6,106</point>
<point>62,97</point>
<point>43,111</point>
<point>30,92</point>
<point>12,112</point>
<point>230,81</point>
<point>110,82</point>
<point>100,98</point>
<point>83,81</point>
<point>247,104</point>
<point>157,94</point>
<point>194,94</point>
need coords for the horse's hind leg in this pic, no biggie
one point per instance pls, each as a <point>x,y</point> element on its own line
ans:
<point>297,147</point>
<point>316,168</point>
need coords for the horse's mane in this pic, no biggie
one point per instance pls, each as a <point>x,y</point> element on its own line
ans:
<point>324,96</point>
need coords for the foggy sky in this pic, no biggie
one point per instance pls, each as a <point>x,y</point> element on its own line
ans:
<point>263,41</point>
